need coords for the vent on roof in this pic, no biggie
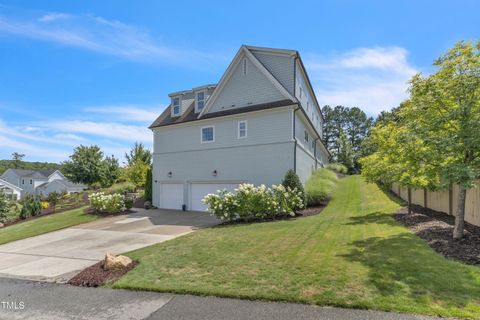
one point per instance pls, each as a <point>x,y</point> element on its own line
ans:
<point>244,66</point>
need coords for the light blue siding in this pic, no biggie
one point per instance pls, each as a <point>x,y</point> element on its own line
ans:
<point>243,90</point>
<point>280,66</point>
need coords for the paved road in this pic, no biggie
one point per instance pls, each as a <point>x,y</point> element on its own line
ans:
<point>58,255</point>
<point>51,301</point>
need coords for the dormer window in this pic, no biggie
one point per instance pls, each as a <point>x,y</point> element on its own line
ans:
<point>200,101</point>
<point>176,106</point>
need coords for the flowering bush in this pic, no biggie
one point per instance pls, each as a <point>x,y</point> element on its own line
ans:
<point>250,203</point>
<point>44,204</point>
<point>107,203</point>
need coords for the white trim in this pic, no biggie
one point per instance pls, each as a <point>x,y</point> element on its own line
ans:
<point>201,134</point>
<point>244,52</point>
<point>238,129</point>
<point>204,100</point>
<point>225,117</point>
<point>10,185</point>
<point>179,106</point>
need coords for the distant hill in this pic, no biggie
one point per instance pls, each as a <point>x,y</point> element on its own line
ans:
<point>8,164</point>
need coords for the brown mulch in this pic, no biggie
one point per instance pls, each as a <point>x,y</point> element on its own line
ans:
<point>437,228</point>
<point>95,275</point>
<point>90,210</point>
<point>311,211</point>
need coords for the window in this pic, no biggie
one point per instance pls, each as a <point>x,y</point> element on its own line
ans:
<point>200,101</point>
<point>208,134</point>
<point>308,106</point>
<point>31,181</point>
<point>244,67</point>
<point>306,136</point>
<point>300,92</point>
<point>242,129</point>
<point>313,144</point>
<point>176,106</point>
<point>23,181</point>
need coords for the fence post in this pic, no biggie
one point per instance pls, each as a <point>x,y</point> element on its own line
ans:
<point>450,200</point>
<point>409,200</point>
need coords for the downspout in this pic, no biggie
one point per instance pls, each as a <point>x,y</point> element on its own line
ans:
<point>298,107</point>
<point>315,152</point>
<point>295,142</point>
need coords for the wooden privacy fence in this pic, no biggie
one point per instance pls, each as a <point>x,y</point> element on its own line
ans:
<point>443,201</point>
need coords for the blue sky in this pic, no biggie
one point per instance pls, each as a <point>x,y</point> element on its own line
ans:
<point>99,72</point>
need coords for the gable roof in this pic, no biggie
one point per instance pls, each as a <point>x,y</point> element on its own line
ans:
<point>244,51</point>
<point>66,183</point>
<point>9,185</point>
<point>42,174</point>
<point>166,119</point>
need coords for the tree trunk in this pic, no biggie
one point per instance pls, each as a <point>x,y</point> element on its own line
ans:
<point>460,217</point>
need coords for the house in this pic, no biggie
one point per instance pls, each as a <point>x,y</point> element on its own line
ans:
<point>18,183</point>
<point>259,121</point>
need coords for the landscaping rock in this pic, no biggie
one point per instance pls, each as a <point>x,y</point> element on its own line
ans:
<point>1,225</point>
<point>116,262</point>
<point>147,205</point>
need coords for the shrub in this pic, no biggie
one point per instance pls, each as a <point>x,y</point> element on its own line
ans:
<point>107,203</point>
<point>320,186</point>
<point>148,185</point>
<point>338,168</point>
<point>129,203</point>
<point>44,204</point>
<point>293,182</point>
<point>4,207</point>
<point>254,203</point>
<point>31,207</point>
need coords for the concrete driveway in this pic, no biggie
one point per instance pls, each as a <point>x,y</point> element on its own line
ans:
<point>59,255</point>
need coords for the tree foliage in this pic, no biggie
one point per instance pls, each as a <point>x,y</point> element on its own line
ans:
<point>136,172</point>
<point>433,139</point>
<point>88,165</point>
<point>354,125</point>
<point>17,159</point>
<point>4,207</point>
<point>139,152</point>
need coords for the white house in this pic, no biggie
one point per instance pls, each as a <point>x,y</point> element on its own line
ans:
<point>259,121</point>
<point>19,183</point>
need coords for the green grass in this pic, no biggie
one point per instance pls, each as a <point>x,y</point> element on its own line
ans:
<point>45,224</point>
<point>354,254</point>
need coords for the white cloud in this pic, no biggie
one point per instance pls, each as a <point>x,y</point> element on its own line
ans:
<point>373,79</point>
<point>114,130</point>
<point>101,35</point>
<point>53,16</point>
<point>128,112</point>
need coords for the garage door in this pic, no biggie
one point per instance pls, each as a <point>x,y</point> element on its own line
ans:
<point>200,190</point>
<point>171,196</point>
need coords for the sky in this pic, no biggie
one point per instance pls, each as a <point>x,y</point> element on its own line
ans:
<point>99,72</point>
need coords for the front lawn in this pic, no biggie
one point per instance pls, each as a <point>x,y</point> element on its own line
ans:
<point>45,224</point>
<point>354,254</point>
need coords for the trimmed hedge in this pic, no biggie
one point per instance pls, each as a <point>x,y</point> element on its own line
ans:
<point>320,186</point>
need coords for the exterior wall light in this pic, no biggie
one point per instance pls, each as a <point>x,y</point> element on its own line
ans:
<point>214,173</point>
<point>170,174</point>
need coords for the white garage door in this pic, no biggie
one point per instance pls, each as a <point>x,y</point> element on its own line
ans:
<point>200,190</point>
<point>171,196</point>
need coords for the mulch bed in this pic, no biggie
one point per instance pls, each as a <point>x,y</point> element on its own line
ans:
<point>437,228</point>
<point>95,275</point>
<point>106,214</point>
<point>311,211</point>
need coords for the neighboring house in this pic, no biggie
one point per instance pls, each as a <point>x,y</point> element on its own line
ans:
<point>259,121</point>
<point>22,182</point>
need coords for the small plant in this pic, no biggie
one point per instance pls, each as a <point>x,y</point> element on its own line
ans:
<point>44,204</point>
<point>338,168</point>
<point>53,198</point>
<point>107,203</point>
